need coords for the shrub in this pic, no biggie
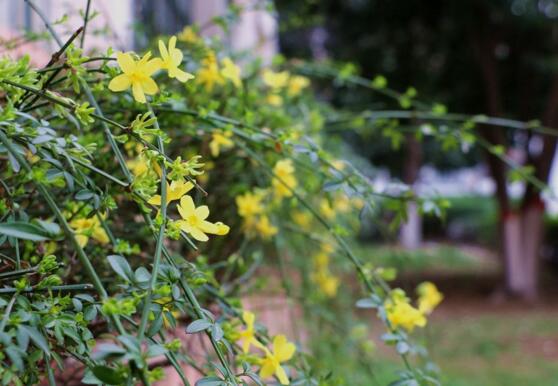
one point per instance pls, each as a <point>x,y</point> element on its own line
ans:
<point>146,192</point>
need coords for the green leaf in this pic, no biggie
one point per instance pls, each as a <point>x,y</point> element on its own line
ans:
<point>121,267</point>
<point>402,347</point>
<point>36,337</point>
<point>368,303</point>
<point>108,375</point>
<point>210,381</point>
<point>24,231</point>
<point>198,325</point>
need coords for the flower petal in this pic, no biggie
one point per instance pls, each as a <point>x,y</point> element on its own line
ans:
<point>181,76</point>
<point>125,61</point>
<point>149,86</point>
<point>267,369</point>
<point>202,212</point>
<point>137,91</point>
<point>176,56</point>
<point>186,207</point>
<point>163,50</point>
<point>155,200</point>
<point>151,66</point>
<point>282,348</point>
<point>282,375</point>
<point>198,234</point>
<point>120,83</point>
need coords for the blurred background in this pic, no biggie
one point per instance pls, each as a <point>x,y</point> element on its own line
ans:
<point>495,253</point>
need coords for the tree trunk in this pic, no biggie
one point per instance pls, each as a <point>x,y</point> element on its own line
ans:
<point>522,237</point>
<point>410,234</point>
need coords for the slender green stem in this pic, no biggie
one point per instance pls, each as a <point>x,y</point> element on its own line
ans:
<point>7,312</point>
<point>63,288</point>
<point>191,298</point>
<point>18,257</point>
<point>85,21</point>
<point>91,98</point>
<point>50,373</point>
<point>160,239</point>
<point>88,267</point>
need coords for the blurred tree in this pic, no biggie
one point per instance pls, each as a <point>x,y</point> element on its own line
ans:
<point>496,57</point>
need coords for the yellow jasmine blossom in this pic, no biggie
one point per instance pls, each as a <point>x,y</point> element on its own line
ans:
<point>175,191</point>
<point>342,204</point>
<point>326,210</point>
<point>138,166</point>
<point>167,307</point>
<point>249,204</point>
<point>136,74</point>
<point>221,229</point>
<point>231,72</point>
<point>275,80</point>
<point>283,350</point>
<point>265,228</point>
<point>274,100</point>
<point>248,335</point>
<point>296,84</point>
<point>338,164</point>
<point>188,35</point>
<point>89,227</point>
<point>302,219</point>
<point>327,283</point>
<point>402,314</point>
<point>429,297</point>
<point>171,59</point>
<point>285,179</point>
<point>220,140</point>
<point>209,74</point>
<point>321,260</point>
<point>194,219</point>
<point>328,248</point>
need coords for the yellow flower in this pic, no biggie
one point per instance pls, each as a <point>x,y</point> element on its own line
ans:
<point>283,350</point>
<point>136,75</point>
<point>296,84</point>
<point>220,140</point>
<point>402,314</point>
<point>248,335</point>
<point>327,283</point>
<point>321,260</point>
<point>194,220</point>
<point>285,180</point>
<point>275,80</point>
<point>171,59</point>
<point>274,100</point>
<point>302,219</point>
<point>429,297</point>
<point>249,204</point>
<point>138,166</point>
<point>328,248</point>
<point>221,229</point>
<point>89,227</point>
<point>209,74</point>
<point>265,228</point>
<point>188,35</point>
<point>175,191</point>
<point>326,210</point>
<point>141,165</point>
<point>321,276</point>
<point>342,203</point>
<point>338,164</point>
<point>231,72</point>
